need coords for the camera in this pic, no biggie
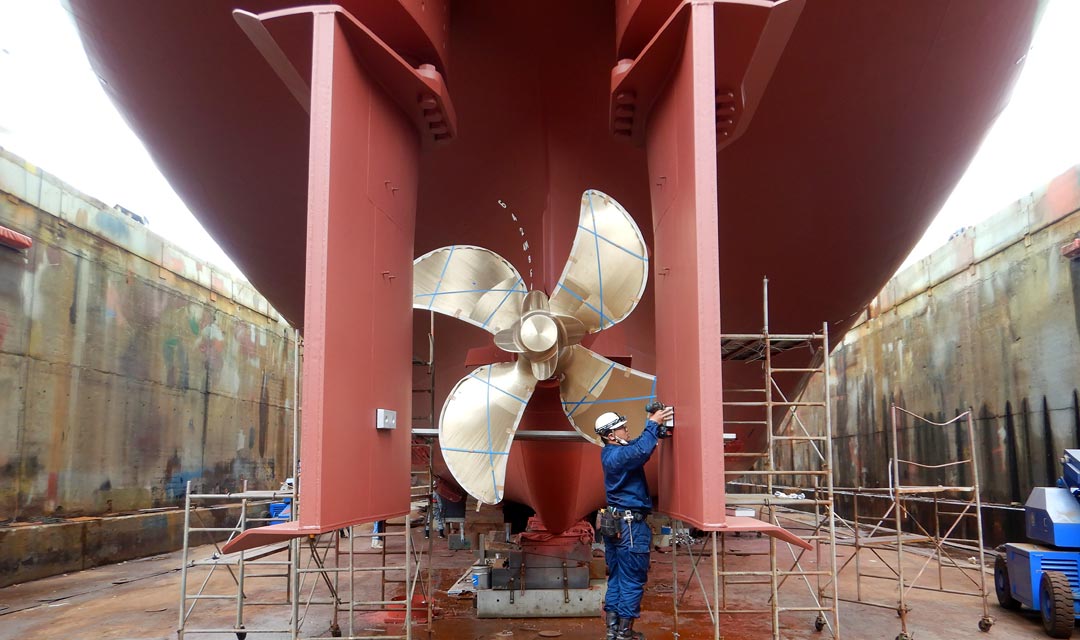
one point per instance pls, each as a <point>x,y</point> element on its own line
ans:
<point>667,428</point>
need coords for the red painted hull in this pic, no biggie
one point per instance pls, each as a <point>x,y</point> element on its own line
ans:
<point>871,115</point>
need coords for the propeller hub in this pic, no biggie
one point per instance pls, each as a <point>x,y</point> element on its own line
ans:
<point>539,332</point>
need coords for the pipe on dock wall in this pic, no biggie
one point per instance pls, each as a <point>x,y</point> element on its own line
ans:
<point>14,239</point>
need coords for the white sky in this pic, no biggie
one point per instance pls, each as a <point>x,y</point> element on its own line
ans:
<point>54,114</point>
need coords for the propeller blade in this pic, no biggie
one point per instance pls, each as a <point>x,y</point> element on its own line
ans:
<point>471,283</point>
<point>534,301</point>
<point>605,276</point>
<point>507,339</point>
<point>573,330</point>
<point>542,369</point>
<point>592,385</point>
<point>477,426</point>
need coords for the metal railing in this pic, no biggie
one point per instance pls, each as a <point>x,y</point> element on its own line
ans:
<point>236,565</point>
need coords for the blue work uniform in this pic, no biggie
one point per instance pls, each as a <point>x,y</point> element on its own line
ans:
<point>627,558</point>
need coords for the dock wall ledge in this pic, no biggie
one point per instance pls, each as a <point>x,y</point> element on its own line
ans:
<point>971,245</point>
<point>44,191</point>
<point>34,551</point>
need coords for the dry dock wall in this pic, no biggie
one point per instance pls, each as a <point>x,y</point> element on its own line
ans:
<point>127,367</point>
<point>990,321</point>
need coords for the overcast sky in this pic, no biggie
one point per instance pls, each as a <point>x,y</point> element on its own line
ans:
<point>54,114</point>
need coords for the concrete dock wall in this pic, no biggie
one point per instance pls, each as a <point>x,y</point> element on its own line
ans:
<point>990,321</point>
<point>127,367</point>
<point>34,551</point>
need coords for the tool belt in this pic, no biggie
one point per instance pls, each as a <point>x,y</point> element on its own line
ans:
<point>609,517</point>
<point>628,514</point>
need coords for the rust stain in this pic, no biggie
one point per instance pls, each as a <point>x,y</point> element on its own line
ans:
<point>53,487</point>
<point>73,310</point>
<point>59,423</point>
<point>264,415</point>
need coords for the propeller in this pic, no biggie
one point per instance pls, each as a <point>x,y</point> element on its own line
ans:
<point>600,286</point>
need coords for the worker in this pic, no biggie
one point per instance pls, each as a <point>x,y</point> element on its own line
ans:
<point>437,510</point>
<point>376,540</point>
<point>627,537</point>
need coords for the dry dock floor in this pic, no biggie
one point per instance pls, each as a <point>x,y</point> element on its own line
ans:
<point>139,599</point>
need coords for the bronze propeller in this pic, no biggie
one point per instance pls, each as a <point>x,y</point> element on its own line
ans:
<point>601,284</point>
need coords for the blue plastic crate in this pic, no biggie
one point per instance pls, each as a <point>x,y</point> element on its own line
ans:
<point>278,513</point>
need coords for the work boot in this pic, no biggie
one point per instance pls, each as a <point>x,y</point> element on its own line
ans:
<point>611,619</point>
<point>626,630</point>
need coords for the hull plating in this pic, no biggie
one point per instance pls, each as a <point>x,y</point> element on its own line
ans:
<point>872,113</point>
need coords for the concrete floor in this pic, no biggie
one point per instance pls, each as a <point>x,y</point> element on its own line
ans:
<point>139,600</point>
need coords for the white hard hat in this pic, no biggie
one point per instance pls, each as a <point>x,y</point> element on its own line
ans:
<point>608,422</point>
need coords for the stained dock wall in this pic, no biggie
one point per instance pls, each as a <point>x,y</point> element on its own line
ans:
<point>127,367</point>
<point>990,321</point>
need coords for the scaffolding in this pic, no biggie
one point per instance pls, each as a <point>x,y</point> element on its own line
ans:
<point>423,451</point>
<point>238,566</point>
<point>926,521</point>
<point>317,570</point>
<point>798,447</point>
<point>345,565</point>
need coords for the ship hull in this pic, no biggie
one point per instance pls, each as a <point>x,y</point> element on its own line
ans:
<point>871,115</point>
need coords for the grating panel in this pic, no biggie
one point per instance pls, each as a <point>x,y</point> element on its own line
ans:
<point>1064,565</point>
